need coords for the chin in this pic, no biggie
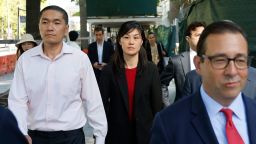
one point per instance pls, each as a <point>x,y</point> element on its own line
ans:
<point>232,94</point>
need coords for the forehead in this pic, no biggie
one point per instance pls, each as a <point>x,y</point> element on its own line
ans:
<point>133,32</point>
<point>98,32</point>
<point>229,44</point>
<point>151,35</point>
<point>52,15</point>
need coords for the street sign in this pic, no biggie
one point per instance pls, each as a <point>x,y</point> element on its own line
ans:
<point>22,19</point>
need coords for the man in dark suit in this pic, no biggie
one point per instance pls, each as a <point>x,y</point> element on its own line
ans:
<point>180,64</point>
<point>206,116</point>
<point>193,82</point>
<point>9,131</point>
<point>99,52</point>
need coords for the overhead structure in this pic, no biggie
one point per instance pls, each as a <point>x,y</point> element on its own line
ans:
<point>112,13</point>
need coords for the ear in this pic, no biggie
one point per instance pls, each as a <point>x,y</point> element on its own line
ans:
<point>197,62</point>
<point>187,38</point>
<point>67,30</point>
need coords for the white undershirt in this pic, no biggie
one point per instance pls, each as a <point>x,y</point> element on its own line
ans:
<point>192,53</point>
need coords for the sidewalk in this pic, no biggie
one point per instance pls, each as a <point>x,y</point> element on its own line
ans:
<point>5,83</point>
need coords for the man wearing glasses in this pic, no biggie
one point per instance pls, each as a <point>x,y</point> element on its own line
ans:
<point>218,112</point>
<point>193,82</point>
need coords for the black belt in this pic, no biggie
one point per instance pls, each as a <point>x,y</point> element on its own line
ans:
<point>55,133</point>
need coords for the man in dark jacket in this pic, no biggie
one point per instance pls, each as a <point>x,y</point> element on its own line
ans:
<point>99,52</point>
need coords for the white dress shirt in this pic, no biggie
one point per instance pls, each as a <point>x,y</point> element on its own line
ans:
<point>74,44</point>
<point>100,51</point>
<point>218,119</point>
<point>59,94</point>
<point>192,54</point>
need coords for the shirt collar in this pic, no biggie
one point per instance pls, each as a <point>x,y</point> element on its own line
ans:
<point>213,107</point>
<point>38,50</point>
<point>192,51</point>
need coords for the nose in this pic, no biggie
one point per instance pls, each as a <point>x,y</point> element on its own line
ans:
<point>131,40</point>
<point>50,26</point>
<point>231,68</point>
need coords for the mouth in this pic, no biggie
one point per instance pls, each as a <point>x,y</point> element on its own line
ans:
<point>50,35</point>
<point>130,47</point>
<point>232,84</point>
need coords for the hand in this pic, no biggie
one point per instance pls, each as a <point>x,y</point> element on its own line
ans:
<point>102,65</point>
<point>28,139</point>
<point>96,65</point>
<point>163,53</point>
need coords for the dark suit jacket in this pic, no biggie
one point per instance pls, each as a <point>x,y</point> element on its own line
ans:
<point>108,50</point>
<point>9,131</point>
<point>160,64</point>
<point>193,82</point>
<point>147,101</point>
<point>187,122</point>
<point>177,68</point>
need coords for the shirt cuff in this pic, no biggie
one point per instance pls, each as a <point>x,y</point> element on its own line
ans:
<point>100,140</point>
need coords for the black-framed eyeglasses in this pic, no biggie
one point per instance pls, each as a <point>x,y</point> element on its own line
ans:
<point>221,62</point>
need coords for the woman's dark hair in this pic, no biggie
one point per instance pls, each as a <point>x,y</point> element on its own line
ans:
<point>118,58</point>
<point>56,8</point>
<point>219,27</point>
<point>20,51</point>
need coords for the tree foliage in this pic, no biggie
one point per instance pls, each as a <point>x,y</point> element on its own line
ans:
<point>9,18</point>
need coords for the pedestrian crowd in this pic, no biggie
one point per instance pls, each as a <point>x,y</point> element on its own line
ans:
<point>121,89</point>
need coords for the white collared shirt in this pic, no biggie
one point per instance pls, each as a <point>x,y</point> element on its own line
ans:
<point>192,53</point>
<point>100,51</point>
<point>218,119</point>
<point>59,94</point>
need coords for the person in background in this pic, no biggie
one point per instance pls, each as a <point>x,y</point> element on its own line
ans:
<point>54,91</point>
<point>155,51</point>
<point>73,35</point>
<point>99,52</point>
<point>9,130</point>
<point>218,113</point>
<point>130,88</point>
<point>26,42</point>
<point>179,65</point>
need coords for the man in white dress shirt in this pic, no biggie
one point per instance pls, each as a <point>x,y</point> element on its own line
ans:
<point>54,91</point>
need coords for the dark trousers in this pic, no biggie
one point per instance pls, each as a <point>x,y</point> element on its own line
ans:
<point>57,137</point>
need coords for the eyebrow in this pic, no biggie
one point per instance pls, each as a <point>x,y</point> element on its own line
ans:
<point>47,19</point>
<point>224,55</point>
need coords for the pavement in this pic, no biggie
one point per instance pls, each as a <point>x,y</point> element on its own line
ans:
<point>5,82</point>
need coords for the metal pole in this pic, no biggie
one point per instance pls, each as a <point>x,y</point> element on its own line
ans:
<point>18,23</point>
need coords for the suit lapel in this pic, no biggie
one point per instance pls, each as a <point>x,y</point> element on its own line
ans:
<point>123,87</point>
<point>96,52</point>
<point>104,52</point>
<point>201,121</point>
<point>137,90</point>
<point>185,62</point>
<point>250,115</point>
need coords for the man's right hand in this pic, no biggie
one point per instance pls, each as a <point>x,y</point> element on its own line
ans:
<point>28,139</point>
